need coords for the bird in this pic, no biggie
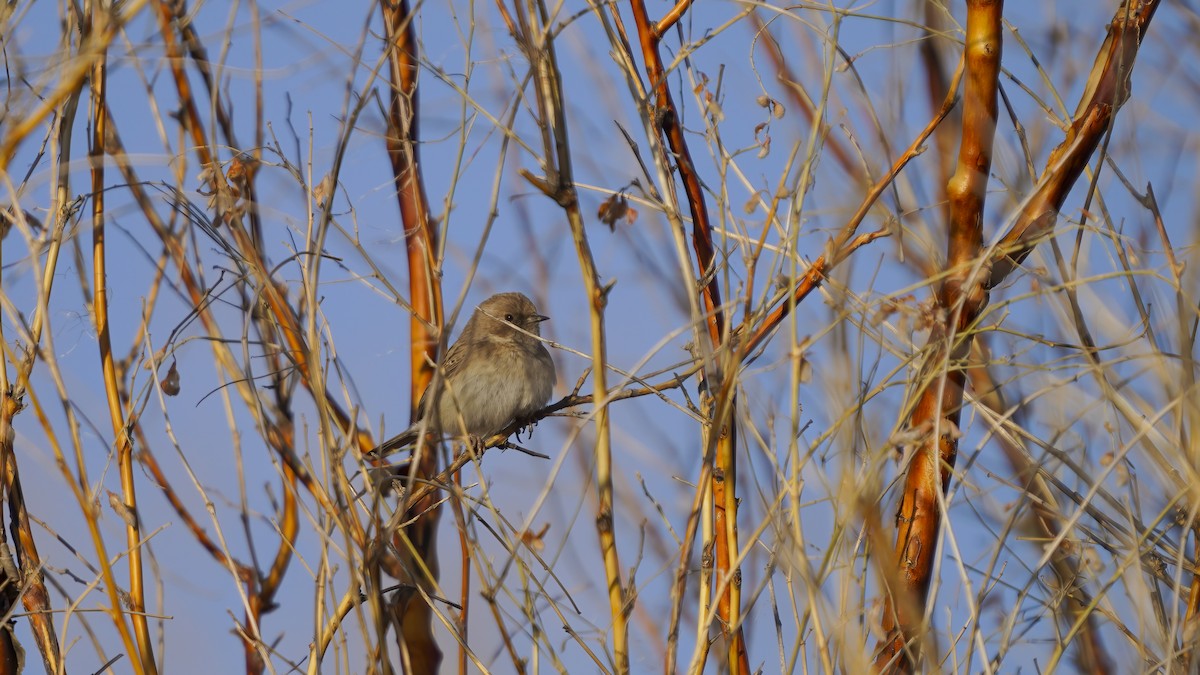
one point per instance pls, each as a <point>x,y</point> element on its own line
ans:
<point>498,371</point>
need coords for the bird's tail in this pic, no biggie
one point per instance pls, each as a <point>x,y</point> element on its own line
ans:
<point>396,443</point>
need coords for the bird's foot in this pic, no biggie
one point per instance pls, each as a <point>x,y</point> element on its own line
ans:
<point>526,425</point>
<point>476,445</point>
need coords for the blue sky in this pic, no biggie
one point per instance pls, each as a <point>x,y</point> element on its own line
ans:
<point>310,75</point>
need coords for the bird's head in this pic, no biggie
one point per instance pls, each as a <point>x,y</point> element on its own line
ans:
<point>495,315</point>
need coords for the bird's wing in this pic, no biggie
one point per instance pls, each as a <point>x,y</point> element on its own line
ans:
<point>455,357</point>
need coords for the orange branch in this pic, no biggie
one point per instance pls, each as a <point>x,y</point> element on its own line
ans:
<point>940,391</point>
<point>666,116</point>
<point>671,18</point>
<point>421,239</point>
<point>143,655</point>
<point>1107,90</point>
<point>720,437</point>
<point>847,241</point>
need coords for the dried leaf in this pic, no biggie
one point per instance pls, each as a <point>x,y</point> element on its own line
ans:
<point>170,382</point>
<point>121,509</point>
<point>805,370</point>
<point>615,208</point>
<point>241,170</point>
<point>205,178</point>
<point>764,148</point>
<point>323,191</point>
<point>714,109</point>
<point>535,541</point>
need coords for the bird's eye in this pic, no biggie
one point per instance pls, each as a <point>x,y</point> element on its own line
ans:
<point>508,318</point>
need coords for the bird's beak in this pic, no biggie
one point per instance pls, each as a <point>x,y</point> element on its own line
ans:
<point>538,318</point>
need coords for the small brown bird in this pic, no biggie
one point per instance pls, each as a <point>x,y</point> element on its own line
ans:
<point>496,372</point>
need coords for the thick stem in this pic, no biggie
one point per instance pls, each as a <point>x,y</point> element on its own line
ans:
<point>537,39</point>
<point>724,472</point>
<point>940,393</point>
<point>143,655</point>
<point>421,240</point>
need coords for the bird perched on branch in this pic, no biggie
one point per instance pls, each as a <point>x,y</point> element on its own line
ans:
<point>498,371</point>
